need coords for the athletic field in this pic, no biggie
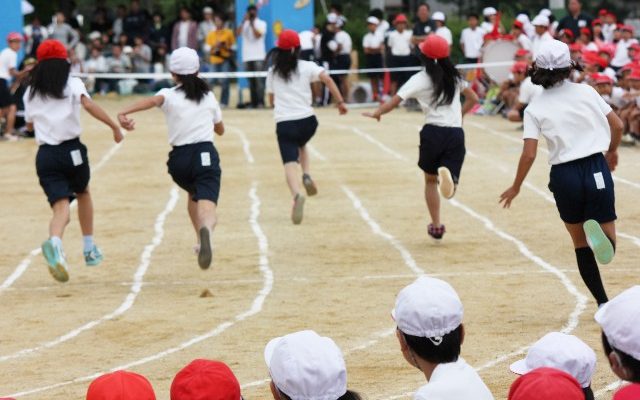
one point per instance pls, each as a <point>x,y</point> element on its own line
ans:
<point>150,309</point>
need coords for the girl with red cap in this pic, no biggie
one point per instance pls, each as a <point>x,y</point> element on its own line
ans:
<point>400,47</point>
<point>437,88</point>
<point>8,71</point>
<point>52,107</point>
<point>289,88</point>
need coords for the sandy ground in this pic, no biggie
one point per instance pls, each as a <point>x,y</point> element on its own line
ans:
<point>363,238</point>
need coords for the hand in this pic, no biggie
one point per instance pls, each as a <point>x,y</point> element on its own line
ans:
<point>118,136</point>
<point>612,159</point>
<point>508,196</point>
<point>126,123</point>
<point>342,108</point>
<point>247,17</point>
<point>375,115</point>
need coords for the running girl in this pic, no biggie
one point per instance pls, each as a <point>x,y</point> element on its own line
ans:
<point>289,87</point>
<point>192,114</point>
<point>52,107</point>
<point>442,150</point>
<point>578,126</point>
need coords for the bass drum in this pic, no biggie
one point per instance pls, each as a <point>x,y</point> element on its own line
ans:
<point>499,51</point>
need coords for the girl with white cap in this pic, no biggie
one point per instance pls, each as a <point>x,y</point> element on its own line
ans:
<point>192,114</point>
<point>437,88</point>
<point>441,27</point>
<point>289,87</point>
<point>579,127</point>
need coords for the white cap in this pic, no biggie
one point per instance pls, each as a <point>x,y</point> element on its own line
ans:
<point>127,49</point>
<point>438,16</point>
<point>553,55</point>
<point>332,18</point>
<point>95,35</point>
<point>305,366</point>
<point>560,351</point>
<point>540,20</point>
<point>489,11</point>
<point>184,61</point>
<point>373,20</point>
<point>546,12</point>
<point>428,308</point>
<point>620,321</point>
<point>207,10</point>
<point>524,18</point>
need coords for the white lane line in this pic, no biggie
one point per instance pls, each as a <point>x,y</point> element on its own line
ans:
<point>314,152</point>
<point>256,307</point>
<point>136,286</point>
<point>246,145</point>
<point>609,388</point>
<point>24,264</point>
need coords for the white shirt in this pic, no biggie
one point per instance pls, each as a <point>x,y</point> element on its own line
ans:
<point>608,32</point>
<point>189,122</point>
<point>400,43</point>
<point>293,99</point>
<point>383,29</point>
<point>572,118</point>
<point>372,41</point>
<point>486,26</point>
<point>524,41</point>
<point>98,64</point>
<point>8,60</point>
<point>616,99</point>
<point>528,91</point>
<point>538,41</point>
<point>56,120</point>
<point>473,39</point>
<point>454,381</point>
<point>253,48</point>
<point>621,56</point>
<point>420,87</point>
<point>306,40</point>
<point>183,33</point>
<point>343,39</point>
<point>445,33</point>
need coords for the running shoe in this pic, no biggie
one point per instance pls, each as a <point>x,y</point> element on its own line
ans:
<point>628,140</point>
<point>309,185</point>
<point>204,255</point>
<point>599,242</point>
<point>445,183</point>
<point>297,209</point>
<point>55,260</point>
<point>93,257</point>
<point>436,232</point>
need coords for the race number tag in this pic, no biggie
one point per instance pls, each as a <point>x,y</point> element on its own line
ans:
<point>205,158</point>
<point>76,157</point>
<point>599,180</point>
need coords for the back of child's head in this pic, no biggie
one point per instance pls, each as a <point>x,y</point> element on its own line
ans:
<point>546,384</point>
<point>50,75</point>
<point>184,63</point>
<point>120,385</point>
<point>434,55</point>
<point>285,55</point>
<point>553,64</point>
<point>205,379</point>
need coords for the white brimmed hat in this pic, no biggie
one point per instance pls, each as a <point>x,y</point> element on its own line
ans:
<point>553,55</point>
<point>332,18</point>
<point>560,351</point>
<point>438,16</point>
<point>540,20</point>
<point>306,366</point>
<point>184,61</point>
<point>620,321</point>
<point>428,308</point>
<point>373,20</point>
<point>546,12</point>
<point>207,10</point>
<point>488,11</point>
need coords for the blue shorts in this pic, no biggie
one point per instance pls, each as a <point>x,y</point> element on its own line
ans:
<point>196,169</point>
<point>295,134</point>
<point>63,170</point>
<point>441,146</point>
<point>583,190</point>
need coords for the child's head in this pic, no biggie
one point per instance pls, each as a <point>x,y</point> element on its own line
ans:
<point>205,379</point>
<point>553,64</point>
<point>120,385</point>
<point>372,23</point>
<point>546,383</point>
<point>620,323</point>
<point>472,20</point>
<point>627,32</point>
<point>184,65</point>
<point>138,40</point>
<point>602,83</point>
<point>49,77</point>
<point>489,14</point>
<point>14,39</point>
<point>541,23</point>
<point>218,20</point>
<point>519,71</point>
<point>428,314</point>
<point>400,22</point>
<point>633,79</point>
<point>439,18</point>
<point>566,36</point>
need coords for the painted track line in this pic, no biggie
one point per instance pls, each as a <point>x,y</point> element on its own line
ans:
<point>256,307</point>
<point>136,286</point>
<point>246,144</point>
<point>314,152</point>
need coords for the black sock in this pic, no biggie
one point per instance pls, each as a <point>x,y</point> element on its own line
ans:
<point>591,274</point>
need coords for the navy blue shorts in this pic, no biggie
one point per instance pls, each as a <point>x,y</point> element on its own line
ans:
<point>196,169</point>
<point>374,61</point>
<point>583,190</point>
<point>441,146</point>
<point>63,170</point>
<point>295,134</point>
<point>6,99</point>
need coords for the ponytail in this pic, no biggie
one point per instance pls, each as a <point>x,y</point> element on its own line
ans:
<point>194,88</point>
<point>285,62</point>
<point>444,78</point>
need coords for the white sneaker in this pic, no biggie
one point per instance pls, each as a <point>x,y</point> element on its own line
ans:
<point>446,185</point>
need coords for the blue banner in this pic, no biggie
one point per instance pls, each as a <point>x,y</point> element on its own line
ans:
<point>10,20</point>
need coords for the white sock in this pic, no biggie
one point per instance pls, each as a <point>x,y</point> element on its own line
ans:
<point>56,241</point>
<point>88,243</point>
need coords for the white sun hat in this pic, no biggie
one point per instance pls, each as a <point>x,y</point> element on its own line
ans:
<point>184,61</point>
<point>373,20</point>
<point>540,20</point>
<point>560,351</point>
<point>488,11</point>
<point>305,366</point>
<point>620,321</point>
<point>553,55</point>
<point>438,16</point>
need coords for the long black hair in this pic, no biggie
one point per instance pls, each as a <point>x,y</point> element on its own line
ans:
<point>284,62</point>
<point>444,78</point>
<point>194,88</point>
<point>550,77</point>
<point>49,78</point>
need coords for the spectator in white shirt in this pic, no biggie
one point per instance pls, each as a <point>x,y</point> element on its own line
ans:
<point>204,27</point>
<point>608,26</point>
<point>185,31</point>
<point>621,56</point>
<point>441,28</point>
<point>34,34</point>
<point>63,32</point>
<point>520,38</point>
<point>527,26</point>
<point>342,61</point>
<point>383,27</point>
<point>117,63</point>
<point>373,47</point>
<point>399,42</point>
<point>541,23</point>
<point>96,63</point>
<point>8,71</point>
<point>253,31</point>
<point>489,14</point>
<point>472,39</point>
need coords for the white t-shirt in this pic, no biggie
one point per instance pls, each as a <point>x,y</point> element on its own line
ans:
<point>343,39</point>
<point>8,60</point>
<point>572,118</point>
<point>473,39</point>
<point>538,41</point>
<point>524,41</point>
<point>621,56</point>
<point>253,49</point>
<point>56,120</point>
<point>616,99</point>
<point>445,33</point>
<point>189,122</point>
<point>528,91</point>
<point>293,99</point>
<point>486,26</point>
<point>454,381</point>
<point>400,43</point>
<point>420,87</point>
<point>372,41</point>
<point>183,33</point>
<point>383,29</point>
<point>306,40</point>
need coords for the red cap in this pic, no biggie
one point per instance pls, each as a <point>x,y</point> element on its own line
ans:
<point>288,40</point>
<point>121,385</point>
<point>596,21</point>
<point>603,11</point>
<point>634,75</point>
<point>627,28</point>
<point>567,32</point>
<point>50,49</point>
<point>635,46</point>
<point>629,66</point>
<point>205,380</point>
<point>435,47</point>
<point>518,24</point>
<point>609,49</point>
<point>522,53</point>
<point>14,36</point>
<point>547,384</point>
<point>520,66</point>
<point>585,31</point>
<point>631,392</point>
<point>601,78</point>
<point>575,46</point>
<point>400,18</point>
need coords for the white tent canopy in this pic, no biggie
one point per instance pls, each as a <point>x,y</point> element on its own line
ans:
<point>27,8</point>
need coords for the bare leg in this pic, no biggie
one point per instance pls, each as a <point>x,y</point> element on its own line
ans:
<point>85,212</point>
<point>11,118</point>
<point>432,197</point>
<point>60,218</point>
<point>206,214</point>
<point>192,207</point>
<point>374,89</point>
<point>292,173</point>
<point>304,160</point>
